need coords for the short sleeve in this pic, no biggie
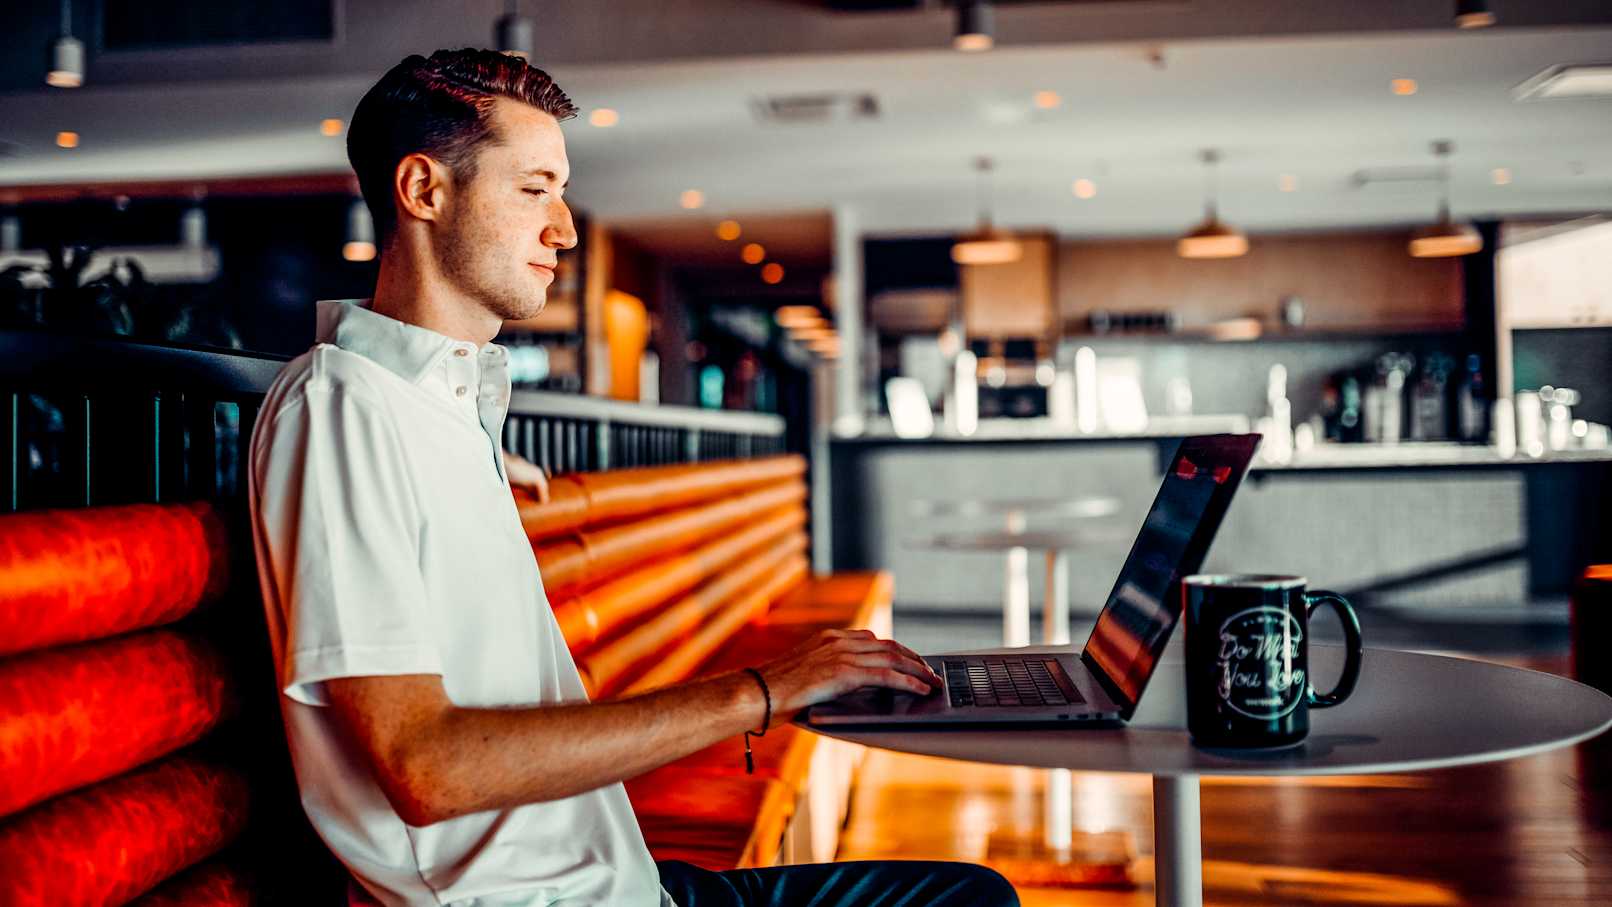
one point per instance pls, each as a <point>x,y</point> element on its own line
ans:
<point>337,515</point>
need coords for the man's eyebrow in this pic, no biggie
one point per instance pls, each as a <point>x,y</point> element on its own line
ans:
<point>545,173</point>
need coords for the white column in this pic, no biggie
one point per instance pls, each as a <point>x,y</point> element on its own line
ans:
<point>848,314</point>
<point>1177,842</point>
<point>1055,606</point>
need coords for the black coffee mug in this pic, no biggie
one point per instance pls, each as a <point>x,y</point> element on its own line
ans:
<point>1248,665</point>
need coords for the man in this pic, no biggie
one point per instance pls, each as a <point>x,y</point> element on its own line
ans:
<point>444,747</point>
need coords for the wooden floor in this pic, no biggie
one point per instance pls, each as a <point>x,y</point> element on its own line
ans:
<point>1535,831</point>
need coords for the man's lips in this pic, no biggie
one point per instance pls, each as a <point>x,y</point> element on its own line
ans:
<point>542,269</point>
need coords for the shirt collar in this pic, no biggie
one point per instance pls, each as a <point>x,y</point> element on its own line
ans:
<point>407,350</point>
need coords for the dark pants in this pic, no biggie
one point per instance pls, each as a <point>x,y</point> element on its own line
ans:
<point>887,883</point>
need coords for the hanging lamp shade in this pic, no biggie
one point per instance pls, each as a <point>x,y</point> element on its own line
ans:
<point>514,35</point>
<point>987,244</point>
<point>1212,237</point>
<point>360,245</point>
<point>976,27</point>
<point>66,63</point>
<point>1474,14</point>
<point>1446,238</point>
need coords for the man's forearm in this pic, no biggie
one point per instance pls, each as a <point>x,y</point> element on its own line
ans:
<point>482,759</point>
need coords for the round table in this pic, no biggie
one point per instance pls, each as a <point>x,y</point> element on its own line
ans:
<point>1410,712</point>
<point>1015,541</point>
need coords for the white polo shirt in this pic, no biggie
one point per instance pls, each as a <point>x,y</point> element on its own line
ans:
<point>388,543</point>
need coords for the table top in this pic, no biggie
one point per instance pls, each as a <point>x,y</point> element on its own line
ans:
<point>1002,541</point>
<point>1086,507</point>
<point>1409,712</point>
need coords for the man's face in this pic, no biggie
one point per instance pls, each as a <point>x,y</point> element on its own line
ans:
<point>510,220</point>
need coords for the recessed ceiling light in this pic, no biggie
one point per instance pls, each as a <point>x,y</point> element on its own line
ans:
<point>67,140</point>
<point>1592,80</point>
<point>1403,87</point>
<point>1046,100</point>
<point>330,127</point>
<point>691,199</point>
<point>772,273</point>
<point>1501,176</point>
<point>753,253</point>
<point>604,118</point>
<point>728,230</point>
<point>1084,188</point>
<point>1473,14</point>
<point>1288,183</point>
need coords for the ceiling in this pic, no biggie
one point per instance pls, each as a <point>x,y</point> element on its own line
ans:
<point>1276,94</point>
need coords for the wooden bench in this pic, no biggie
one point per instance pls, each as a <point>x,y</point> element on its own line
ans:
<point>663,574</point>
<point>141,749</point>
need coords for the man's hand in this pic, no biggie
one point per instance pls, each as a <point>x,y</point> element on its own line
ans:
<point>528,476</point>
<point>835,662</point>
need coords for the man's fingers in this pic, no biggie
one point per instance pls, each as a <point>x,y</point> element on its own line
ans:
<point>861,646</point>
<point>896,680</point>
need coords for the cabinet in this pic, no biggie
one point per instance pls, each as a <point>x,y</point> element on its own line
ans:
<point>1558,280</point>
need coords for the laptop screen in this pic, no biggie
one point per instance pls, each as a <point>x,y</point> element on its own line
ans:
<point>1130,635</point>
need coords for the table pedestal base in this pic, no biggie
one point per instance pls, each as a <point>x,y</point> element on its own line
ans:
<point>1177,842</point>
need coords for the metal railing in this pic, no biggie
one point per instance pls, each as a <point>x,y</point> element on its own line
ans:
<point>90,421</point>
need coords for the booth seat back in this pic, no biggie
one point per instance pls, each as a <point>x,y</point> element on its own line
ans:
<point>108,790</point>
<point>650,571</point>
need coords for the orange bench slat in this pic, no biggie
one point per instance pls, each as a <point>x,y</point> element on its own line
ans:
<point>77,575</point>
<point>212,884</point>
<point>598,613</point>
<point>681,661</point>
<point>77,715</point>
<point>112,842</point>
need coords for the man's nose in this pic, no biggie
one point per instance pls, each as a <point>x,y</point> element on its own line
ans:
<point>561,232</point>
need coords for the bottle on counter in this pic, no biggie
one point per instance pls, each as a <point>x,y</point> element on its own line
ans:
<point>1429,409</point>
<point>1472,404</point>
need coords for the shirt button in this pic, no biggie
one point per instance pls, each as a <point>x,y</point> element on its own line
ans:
<point>461,352</point>
<point>459,391</point>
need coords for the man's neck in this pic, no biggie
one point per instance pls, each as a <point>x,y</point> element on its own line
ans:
<point>418,296</point>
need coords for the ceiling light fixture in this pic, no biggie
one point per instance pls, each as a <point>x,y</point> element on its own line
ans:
<point>513,34</point>
<point>360,245</point>
<point>1288,183</point>
<point>976,26</point>
<point>1047,100</point>
<point>330,128</point>
<point>753,253</point>
<point>1574,80</point>
<point>691,199</point>
<point>772,273</point>
<point>193,222</point>
<point>799,317</point>
<point>603,117</point>
<point>1403,87</point>
<point>1084,188</point>
<point>67,140</point>
<point>1501,176</point>
<point>986,245</point>
<point>66,55</point>
<point>728,230</point>
<point>1446,238</point>
<point>1473,14</point>
<point>1211,238</point>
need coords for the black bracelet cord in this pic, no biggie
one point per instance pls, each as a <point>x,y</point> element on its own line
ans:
<point>766,721</point>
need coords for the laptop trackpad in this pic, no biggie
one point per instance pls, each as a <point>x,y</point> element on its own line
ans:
<point>880,701</point>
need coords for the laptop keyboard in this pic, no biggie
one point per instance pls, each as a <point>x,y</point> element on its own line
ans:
<point>1009,682</point>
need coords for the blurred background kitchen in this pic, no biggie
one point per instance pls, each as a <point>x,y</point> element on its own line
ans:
<point>972,255</point>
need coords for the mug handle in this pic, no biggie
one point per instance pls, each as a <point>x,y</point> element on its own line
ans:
<point>1351,640</point>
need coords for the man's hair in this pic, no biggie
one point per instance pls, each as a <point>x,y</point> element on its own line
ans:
<point>439,106</point>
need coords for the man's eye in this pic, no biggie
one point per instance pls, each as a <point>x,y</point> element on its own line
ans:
<point>535,191</point>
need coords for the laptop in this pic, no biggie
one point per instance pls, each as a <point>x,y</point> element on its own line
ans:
<point>1103,684</point>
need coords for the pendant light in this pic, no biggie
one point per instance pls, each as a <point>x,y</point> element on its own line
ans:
<point>987,245</point>
<point>1446,238</point>
<point>1211,238</point>
<point>66,55</point>
<point>513,35</point>
<point>1473,14</point>
<point>360,245</point>
<point>976,26</point>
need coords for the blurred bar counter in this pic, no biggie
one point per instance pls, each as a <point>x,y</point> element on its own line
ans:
<point>1423,526</point>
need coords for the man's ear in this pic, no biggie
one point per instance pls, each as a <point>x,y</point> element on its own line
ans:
<point>421,187</point>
